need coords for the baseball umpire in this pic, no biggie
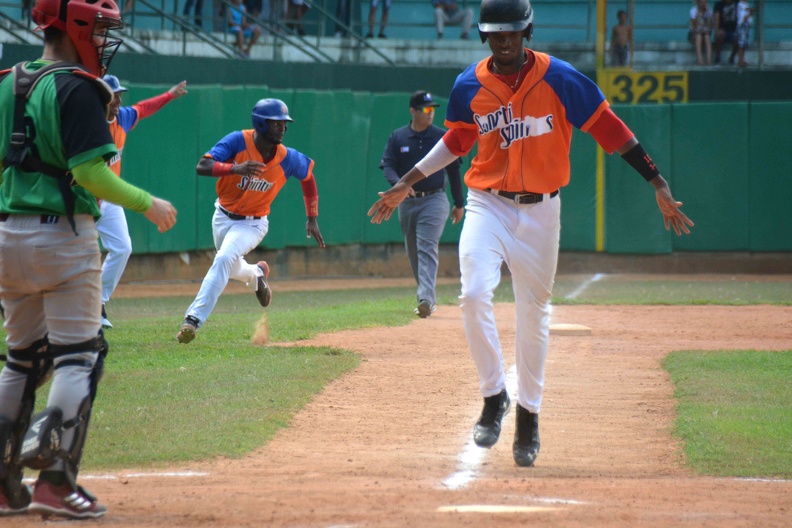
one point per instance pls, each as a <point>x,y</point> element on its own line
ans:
<point>54,142</point>
<point>251,167</point>
<point>520,105</point>
<point>424,213</point>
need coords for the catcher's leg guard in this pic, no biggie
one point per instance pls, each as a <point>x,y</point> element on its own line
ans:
<point>43,445</point>
<point>36,368</point>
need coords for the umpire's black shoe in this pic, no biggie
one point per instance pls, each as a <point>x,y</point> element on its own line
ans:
<point>263,292</point>
<point>526,437</point>
<point>488,428</point>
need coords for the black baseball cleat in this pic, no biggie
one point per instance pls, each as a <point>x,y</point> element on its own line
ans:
<point>487,430</point>
<point>526,437</point>
<point>263,292</point>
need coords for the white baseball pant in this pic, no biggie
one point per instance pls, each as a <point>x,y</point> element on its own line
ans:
<point>233,239</point>
<point>114,234</point>
<point>525,237</point>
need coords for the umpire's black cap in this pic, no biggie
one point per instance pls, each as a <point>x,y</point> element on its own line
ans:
<point>421,99</point>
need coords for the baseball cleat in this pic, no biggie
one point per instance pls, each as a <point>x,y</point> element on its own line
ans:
<point>487,430</point>
<point>425,309</point>
<point>105,322</point>
<point>526,437</point>
<point>188,329</point>
<point>263,291</point>
<point>17,504</point>
<point>64,501</point>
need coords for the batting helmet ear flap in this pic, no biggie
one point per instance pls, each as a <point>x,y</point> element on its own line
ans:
<point>528,33</point>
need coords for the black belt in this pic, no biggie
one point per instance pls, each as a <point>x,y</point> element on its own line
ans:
<point>234,216</point>
<point>45,219</point>
<point>421,194</point>
<point>522,198</point>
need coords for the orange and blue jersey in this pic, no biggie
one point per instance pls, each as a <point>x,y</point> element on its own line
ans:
<point>128,117</point>
<point>253,196</point>
<point>524,136</point>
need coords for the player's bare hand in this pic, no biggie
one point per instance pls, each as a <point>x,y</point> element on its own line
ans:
<point>179,90</point>
<point>673,218</point>
<point>312,230</point>
<point>388,202</point>
<point>457,213</point>
<point>249,168</point>
<point>162,214</point>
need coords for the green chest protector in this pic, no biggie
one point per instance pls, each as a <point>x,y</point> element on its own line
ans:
<point>21,150</point>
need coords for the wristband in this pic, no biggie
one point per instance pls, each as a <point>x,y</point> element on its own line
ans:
<point>641,162</point>
<point>222,169</point>
<point>311,206</point>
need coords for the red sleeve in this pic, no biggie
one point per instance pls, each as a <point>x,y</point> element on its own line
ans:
<point>150,106</point>
<point>610,131</point>
<point>311,196</point>
<point>460,140</point>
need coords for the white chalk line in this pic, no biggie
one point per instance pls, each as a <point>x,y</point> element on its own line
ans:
<point>164,474</point>
<point>586,283</point>
<point>472,456</point>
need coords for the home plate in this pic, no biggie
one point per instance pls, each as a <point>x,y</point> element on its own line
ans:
<point>569,330</point>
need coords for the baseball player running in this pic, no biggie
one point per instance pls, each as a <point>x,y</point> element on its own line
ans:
<point>54,143</point>
<point>520,105</point>
<point>112,226</point>
<point>251,167</point>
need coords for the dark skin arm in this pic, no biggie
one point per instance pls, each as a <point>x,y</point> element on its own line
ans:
<point>247,168</point>
<point>673,218</point>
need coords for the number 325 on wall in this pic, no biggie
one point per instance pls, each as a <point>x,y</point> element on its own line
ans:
<point>645,87</point>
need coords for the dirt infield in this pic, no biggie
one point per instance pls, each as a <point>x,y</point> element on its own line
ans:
<point>387,445</point>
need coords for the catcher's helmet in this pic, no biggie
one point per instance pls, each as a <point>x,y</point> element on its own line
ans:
<point>505,15</point>
<point>114,84</point>
<point>78,19</point>
<point>269,109</point>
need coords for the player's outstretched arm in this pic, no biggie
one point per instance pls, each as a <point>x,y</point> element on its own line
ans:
<point>179,90</point>
<point>633,153</point>
<point>669,208</point>
<point>390,199</point>
<point>312,231</point>
<point>162,214</point>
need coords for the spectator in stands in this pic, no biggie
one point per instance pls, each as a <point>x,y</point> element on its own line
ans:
<point>239,25</point>
<point>187,6</point>
<point>448,12</point>
<point>701,30</point>
<point>343,15</point>
<point>373,15</point>
<point>253,7</point>
<point>621,36</point>
<point>744,22</point>
<point>725,26</point>
<point>297,10</point>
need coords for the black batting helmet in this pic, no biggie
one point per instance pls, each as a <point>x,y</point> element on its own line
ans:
<point>505,15</point>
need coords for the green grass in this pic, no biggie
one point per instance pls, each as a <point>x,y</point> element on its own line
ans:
<point>734,411</point>
<point>162,403</point>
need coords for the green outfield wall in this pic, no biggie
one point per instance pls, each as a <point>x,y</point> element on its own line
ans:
<point>728,162</point>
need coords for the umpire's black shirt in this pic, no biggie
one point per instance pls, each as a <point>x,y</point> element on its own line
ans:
<point>406,147</point>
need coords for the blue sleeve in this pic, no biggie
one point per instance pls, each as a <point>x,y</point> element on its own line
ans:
<point>465,89</point>
<point>127,118</point>
<point>579,95</point>
<point>228,147</point>
<point>296,164</point>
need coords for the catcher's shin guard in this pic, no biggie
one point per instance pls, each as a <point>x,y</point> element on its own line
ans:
<point>43,446</point>
<point>30,362</point>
